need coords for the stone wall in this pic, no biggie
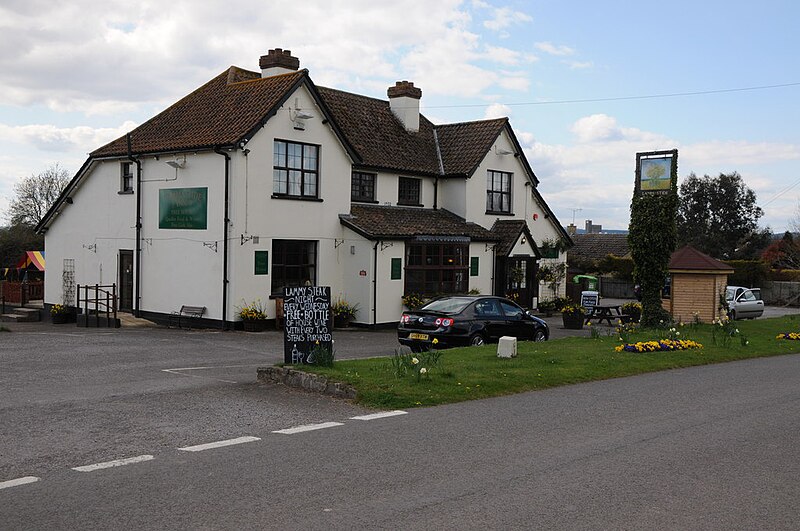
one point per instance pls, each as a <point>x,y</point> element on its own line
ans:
<point>306,381</point>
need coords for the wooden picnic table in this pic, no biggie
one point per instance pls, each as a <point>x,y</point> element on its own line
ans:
<point>605,312</point>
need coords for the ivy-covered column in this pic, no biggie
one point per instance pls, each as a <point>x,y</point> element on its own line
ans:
<point>652,234</point>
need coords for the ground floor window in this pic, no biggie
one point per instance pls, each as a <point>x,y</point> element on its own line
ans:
<point>294,263</point>
<point>436,268</point>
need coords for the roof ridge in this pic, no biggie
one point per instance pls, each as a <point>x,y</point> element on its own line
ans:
<point>503,119</point>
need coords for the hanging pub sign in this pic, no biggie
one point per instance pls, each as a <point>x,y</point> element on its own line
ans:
<point>307,322</point>
<point>655,171</point>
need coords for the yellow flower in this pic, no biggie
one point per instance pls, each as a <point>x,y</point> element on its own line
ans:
<point>435,341</point>
<point>414,361</point>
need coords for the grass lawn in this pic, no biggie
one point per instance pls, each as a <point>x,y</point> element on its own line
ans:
<point>476,372</point>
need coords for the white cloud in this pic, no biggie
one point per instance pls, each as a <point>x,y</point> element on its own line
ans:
<point>553,49</point>
<point>578,65</point>
<point>497,110</point>
<point>70,139</point>
<point>504,17</point>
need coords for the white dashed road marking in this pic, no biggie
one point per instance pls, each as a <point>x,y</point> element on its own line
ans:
<point>308,427</point>
<point>17,482</point>
<point>382,415</point>
<point>178,371</point>
<point>116,462</point>
<point>219,444</point>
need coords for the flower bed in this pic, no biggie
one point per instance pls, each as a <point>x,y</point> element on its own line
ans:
<point>789,335</point>
<point>661,345</point>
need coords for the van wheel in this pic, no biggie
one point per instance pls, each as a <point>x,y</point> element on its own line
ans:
<point>476,340</point>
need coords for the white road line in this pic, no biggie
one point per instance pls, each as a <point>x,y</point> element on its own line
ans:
<point>115,462</point>
<point>308,427</point>
<point>174,371</point>
<point>17,482</point>
<point>382,415</point>
<point>219,444</point>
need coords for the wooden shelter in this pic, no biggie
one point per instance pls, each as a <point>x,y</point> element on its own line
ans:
<point>698,281</point>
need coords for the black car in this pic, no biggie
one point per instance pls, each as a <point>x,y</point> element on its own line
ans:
<point>464,320</point>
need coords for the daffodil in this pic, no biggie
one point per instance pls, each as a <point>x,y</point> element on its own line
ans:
<point>423,370</point>
<point>414,361</point>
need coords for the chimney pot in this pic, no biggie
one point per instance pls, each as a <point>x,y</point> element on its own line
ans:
<point>404,88</point>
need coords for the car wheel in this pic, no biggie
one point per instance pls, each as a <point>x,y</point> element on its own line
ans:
<point>732,315</point>
<point>540,336</point>
<point>476,340</point>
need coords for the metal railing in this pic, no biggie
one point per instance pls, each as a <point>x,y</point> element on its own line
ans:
<point>98,301</point>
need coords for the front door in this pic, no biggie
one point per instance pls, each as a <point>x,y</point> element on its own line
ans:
<point>520,283</point>
<point>126,280</point>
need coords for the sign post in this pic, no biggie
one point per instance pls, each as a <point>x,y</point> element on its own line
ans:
<point>307,322</point>
<point>652,233</point>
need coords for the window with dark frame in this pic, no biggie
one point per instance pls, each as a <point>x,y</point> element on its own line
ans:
<point>362,187</point>
<point>126,177</point>
<point>408,191</point>
<point>436,268</point>
<point>295,170</point>
<point>294,263</point>
<point>498,192</point>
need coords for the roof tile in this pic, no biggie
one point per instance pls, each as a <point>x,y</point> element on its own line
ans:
<point>377,221</point>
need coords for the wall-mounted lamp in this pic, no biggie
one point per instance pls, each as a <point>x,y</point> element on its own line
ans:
<point>523,241</point>
<point>177,163</point>
<point>68,200</point>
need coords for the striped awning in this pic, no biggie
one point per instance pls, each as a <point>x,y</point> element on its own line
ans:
<point>32,258</point>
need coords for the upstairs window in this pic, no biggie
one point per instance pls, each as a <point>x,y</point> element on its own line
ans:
<point>498,192</point>
<point>408,191</point>
<point>295,170</point>
<point>362,187</point>
<point>126,178</point>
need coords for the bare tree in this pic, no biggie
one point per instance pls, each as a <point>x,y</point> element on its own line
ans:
<point>35,194</point>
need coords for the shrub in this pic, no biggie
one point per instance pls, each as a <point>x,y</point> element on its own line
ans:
<point>634,309</point>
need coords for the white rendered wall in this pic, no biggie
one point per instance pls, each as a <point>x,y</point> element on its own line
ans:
<point>91,231</point>
<point>255,213</point>
<point>177,268</point>
<point>356,255</point>
<point>386,188</point>
<point>482,282</point>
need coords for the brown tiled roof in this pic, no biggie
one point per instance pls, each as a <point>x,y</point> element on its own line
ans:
<point>598,246</point>
<point>464,145</point>
<point>399,223</point>
<point>378,136</point>
<point>221,112</point>
<point>507,232</point>
<point>690,258</point>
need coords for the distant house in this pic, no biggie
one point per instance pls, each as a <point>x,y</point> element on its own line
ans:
<point>260,180</point>
<point>589,249</point>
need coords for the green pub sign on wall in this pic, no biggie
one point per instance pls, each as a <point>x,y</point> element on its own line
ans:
<point>262,263</point>
<point>183,208</point>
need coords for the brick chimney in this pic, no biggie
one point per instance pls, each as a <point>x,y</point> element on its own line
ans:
<point>278,61</point>
<point>404,101</point>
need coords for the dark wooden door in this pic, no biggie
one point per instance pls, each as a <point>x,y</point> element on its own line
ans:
<point>126,280</point>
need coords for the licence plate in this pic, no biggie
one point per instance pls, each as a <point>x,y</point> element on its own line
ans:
<point>414,335</point>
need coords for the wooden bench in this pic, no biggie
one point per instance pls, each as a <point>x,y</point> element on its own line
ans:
<point>186,312</point>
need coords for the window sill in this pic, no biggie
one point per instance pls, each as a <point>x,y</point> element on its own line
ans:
<point>297,198</point>
<point>410,205</point>
<point>497,213</point>
<point>125,192</point>
<point>368,201</point>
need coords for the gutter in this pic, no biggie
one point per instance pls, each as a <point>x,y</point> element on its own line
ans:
<point>138,254</point>
<point>226,220</point>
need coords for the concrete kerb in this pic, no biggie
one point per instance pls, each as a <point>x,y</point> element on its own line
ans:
<point>307,381</point>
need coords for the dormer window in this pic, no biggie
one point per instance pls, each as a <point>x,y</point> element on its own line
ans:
<point>126,178</point>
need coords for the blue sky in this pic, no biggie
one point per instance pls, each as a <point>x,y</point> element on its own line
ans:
<point>76,75</point>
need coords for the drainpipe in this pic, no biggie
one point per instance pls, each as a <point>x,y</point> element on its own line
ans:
<point>138,224</point>
<point>375,286</point>
<point>218,151</point>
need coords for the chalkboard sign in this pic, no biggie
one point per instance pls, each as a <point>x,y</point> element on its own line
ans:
<point>308,321</point>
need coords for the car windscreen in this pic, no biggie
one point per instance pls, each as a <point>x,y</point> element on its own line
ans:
<point>450,305</point>
<point>729,294</point>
